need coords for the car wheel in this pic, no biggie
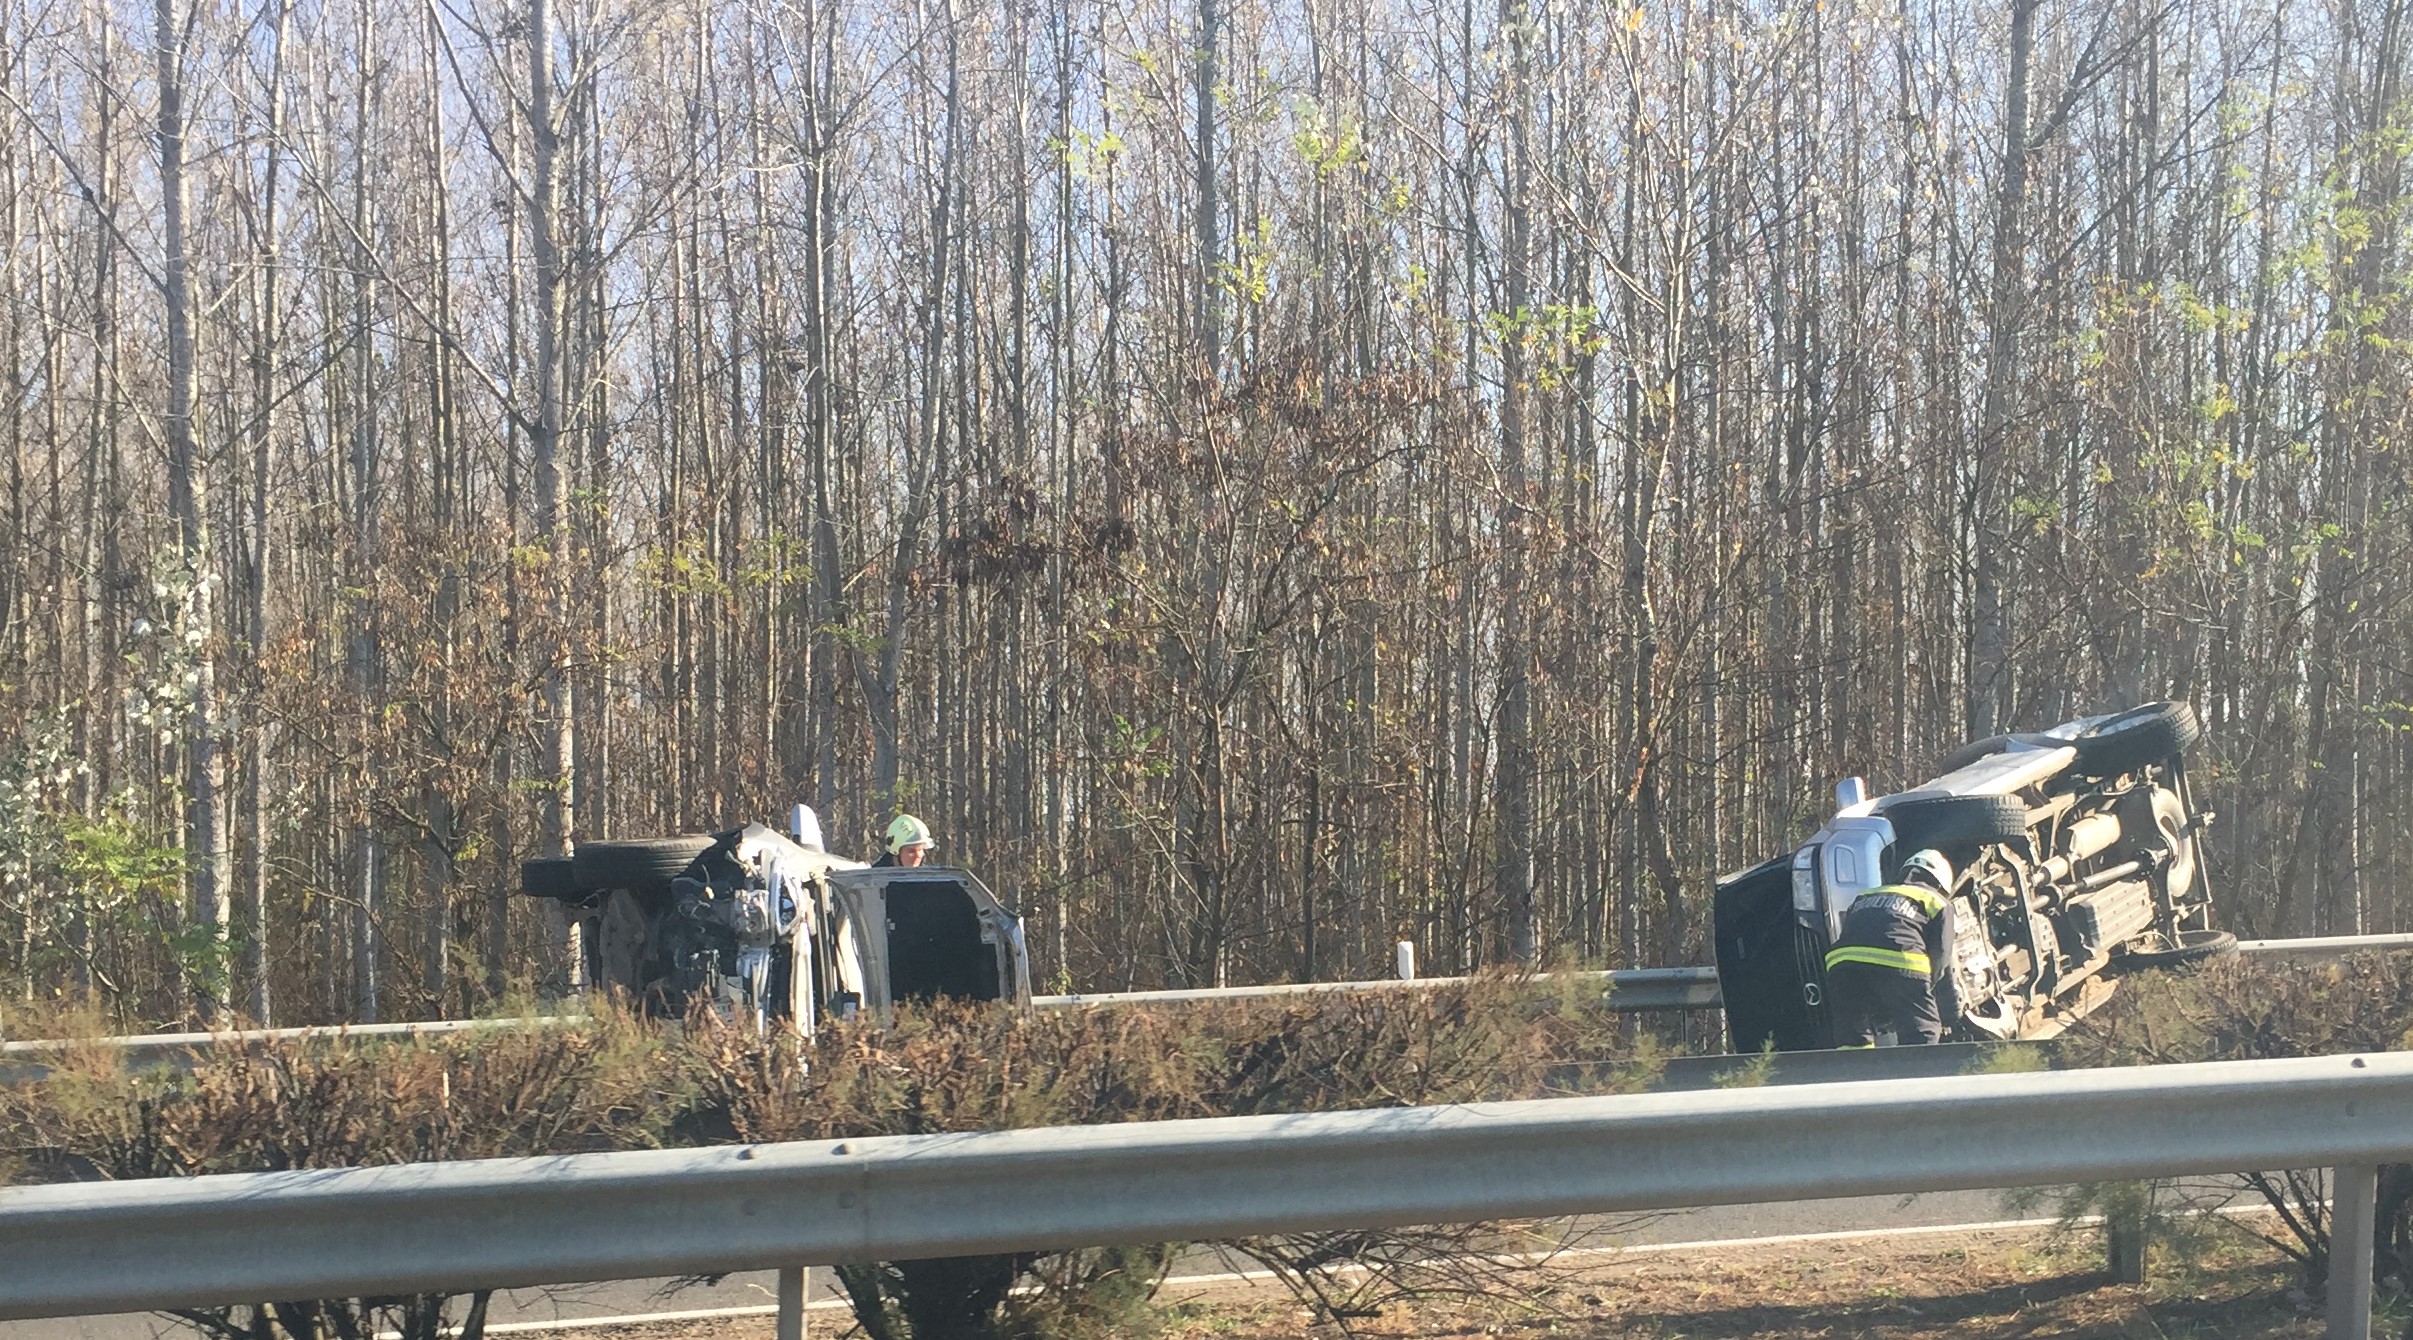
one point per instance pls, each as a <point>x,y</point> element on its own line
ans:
<point>2129,740</point>
<point>621,938</point>
<point>640,865</point>
<point>2193,947</point>
<point>550,877</point>
<point>1952,820</point>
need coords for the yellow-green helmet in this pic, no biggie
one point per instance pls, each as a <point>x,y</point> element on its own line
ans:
<point>906,831</point>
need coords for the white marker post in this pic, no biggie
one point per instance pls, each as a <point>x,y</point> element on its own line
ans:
<point>2353,1232</point>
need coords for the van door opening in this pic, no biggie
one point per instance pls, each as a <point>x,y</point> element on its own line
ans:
<point>934,943</point>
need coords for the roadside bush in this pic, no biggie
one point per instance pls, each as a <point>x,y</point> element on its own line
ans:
<point>2239,1009</point>
<point>618,1082</point>
<point>964,1070</point>
<point>342,1103</point>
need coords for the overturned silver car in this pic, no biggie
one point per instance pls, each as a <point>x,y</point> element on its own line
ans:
<point>775,930</point>
<point>2079,852</point>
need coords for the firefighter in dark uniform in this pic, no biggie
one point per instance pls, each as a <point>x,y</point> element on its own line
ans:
<point>1892,965</point>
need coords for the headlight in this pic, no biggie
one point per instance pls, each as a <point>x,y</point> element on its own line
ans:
<point>1805,890</point>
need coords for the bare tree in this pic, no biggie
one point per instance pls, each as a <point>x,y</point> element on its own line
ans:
<point>1267,481</point>
<point>189,488</point>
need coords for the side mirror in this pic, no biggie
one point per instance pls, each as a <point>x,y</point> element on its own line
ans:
<point>1849,792</point>
<point>805,827</point>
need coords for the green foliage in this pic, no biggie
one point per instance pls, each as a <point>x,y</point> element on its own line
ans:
<point>160,647</point>
<point>1091,154</point>
<point>63,874</point>
<point>1553,337</point>
<point>114,864</point>
<point>1753,1074</point>
<point>37,777</point>
<point>1329,139</point>
<point>2144,1224</point>
<point>2008,1058</point>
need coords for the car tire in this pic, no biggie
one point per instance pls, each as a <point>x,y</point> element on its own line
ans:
<point>639,865</point>
<point>550,877</point>
<point>2129,740</point>
<point>1946,821</point>
<point>2193,947</point>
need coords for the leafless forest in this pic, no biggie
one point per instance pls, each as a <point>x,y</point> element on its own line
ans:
<point>1263,479</point>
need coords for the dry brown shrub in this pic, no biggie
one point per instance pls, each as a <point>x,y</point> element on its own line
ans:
<point>619,1082</point>
<point>953,1069</point>
<point>344,1103</point>
<point>2242,1008</point>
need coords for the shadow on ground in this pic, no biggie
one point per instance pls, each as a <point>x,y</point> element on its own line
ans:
<point>2247,1303</point>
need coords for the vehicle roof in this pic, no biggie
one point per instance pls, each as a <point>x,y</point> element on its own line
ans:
<point>2015,769</point>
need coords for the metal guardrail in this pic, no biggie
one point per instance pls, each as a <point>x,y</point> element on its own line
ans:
<point>514,1222</point>
<point>2311,947</point>
<point>1629,989</point>
<point>1692,1074</point>
<point>1654,988</point>
<point>435,1028</point>
<point>31,1059</point>
<point>1638,989</point>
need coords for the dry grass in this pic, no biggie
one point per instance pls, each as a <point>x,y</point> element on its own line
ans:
<point>1999,1285</point>
<point>1996,1286</point>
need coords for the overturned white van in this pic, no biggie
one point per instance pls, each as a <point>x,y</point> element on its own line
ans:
<point>771,929</point>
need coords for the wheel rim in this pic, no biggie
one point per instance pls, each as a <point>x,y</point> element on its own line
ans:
<point>2170,819</point>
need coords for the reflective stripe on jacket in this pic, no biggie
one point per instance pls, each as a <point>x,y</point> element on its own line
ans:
<point>1899,926</point>
<point>1905,929</point>
<point>1903,960</point>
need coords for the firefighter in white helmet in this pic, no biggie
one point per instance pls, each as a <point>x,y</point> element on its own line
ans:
<point>1892,965</point>
<point>909,842</point>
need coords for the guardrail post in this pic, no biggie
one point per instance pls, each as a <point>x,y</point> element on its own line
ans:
<point>2353,1222</point>
<point>2128,1231</point>
<point>791,1302</point>
<point>1406,956</point>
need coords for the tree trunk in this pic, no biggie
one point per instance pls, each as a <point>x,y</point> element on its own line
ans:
<point>558,808</point>
<point>1205,220</point>
<point>189,491</point>
<point>1513,845</point>
<point>1988,692</point>
<point>266,405</point>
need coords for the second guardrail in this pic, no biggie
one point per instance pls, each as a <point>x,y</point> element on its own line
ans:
<point>1637,989</point>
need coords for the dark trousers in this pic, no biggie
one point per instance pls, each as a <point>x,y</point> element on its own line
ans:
<point>1867,1000</point>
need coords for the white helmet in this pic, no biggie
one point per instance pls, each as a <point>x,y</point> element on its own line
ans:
<point>906,831</point>
<point>1931,863</point>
